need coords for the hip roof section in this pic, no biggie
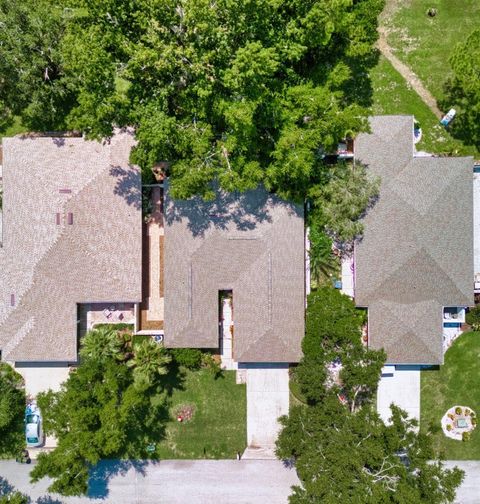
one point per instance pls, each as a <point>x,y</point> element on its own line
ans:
<point>71,234</point>
<point>416,255</point>
<point>251,243</point>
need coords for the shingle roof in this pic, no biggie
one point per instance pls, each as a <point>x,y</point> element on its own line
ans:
<point>416,255</point>
<point>50,267</point>
<point>252,243</point>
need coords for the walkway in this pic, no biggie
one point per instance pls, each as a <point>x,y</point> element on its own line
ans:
<point>169,482</point>
<point>152,307</point>
<point>391,7</point>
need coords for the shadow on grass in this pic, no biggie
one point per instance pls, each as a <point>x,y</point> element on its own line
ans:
<point>174,379</point>
<point>104,471</point>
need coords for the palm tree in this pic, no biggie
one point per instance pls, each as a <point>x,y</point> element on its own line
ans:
<point>101,344</point>
<point>322,259</point>
<point>150,361</point>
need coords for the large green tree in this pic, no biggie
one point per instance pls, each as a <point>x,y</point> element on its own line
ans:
<point>358,459</point>
<point>342,450</point>
<point>242,92</point>
<point>463,90</point>
<point>102,411</point>
<point>333,338</point>
<point>32,82</point>
<point>12,411</point>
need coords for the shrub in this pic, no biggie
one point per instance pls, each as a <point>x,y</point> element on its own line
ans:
<point>451,416</point>
<point>474,421</point>
<point>449,427</point>
<point>190,358</point>
<point>458,410</point>
<point>212,364</point>
<point>473,318</point>
<point>466,436</point>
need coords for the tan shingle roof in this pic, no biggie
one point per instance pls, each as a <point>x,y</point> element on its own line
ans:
<point>416,255</point>
<point>49,268</point>
<point>252,243</point>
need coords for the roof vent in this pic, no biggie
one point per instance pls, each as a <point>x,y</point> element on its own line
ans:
<point>12,299</point>
<point>70,218</point>
<point>65,191</point>
<point>57,219</point>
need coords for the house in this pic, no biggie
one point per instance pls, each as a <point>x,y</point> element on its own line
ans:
<point>249,246</point>
<point>71,240</point>
<point>413,268</point>
<point>227,274</point>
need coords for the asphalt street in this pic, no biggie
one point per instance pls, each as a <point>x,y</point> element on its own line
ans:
<point>168,482</point>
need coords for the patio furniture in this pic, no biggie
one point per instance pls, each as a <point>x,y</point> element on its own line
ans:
<point>462,423</point>
<point>107,313</point>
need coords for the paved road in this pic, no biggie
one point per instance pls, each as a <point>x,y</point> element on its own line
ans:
<point>194,482</point>
<point>469,492</point>
<point>169,482</point>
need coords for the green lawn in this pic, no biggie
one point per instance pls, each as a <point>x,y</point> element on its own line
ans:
<point>456,382</point>
<point>425,43</point>
<point>218,427</point>
<point>15,129</point>
<point>392,95</point>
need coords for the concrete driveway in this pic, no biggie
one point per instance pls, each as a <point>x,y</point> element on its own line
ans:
<point>169,482</point>
<point>267,399</point>
<point>401,387</point>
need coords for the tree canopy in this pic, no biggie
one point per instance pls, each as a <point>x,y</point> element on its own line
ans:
<point>342,450</point>
<point>334,336</point>
<point>112,406</point>
<point>239,92</point>
<point>463,90</point>
<point>12,411</point>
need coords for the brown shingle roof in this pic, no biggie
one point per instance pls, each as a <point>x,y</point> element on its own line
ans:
<point>252,243</point>
<point>416,255</point>
<point>49,267</point>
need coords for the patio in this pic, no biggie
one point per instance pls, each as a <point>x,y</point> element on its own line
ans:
<point>108,313</point>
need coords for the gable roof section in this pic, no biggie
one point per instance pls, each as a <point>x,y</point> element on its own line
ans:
<point>251,243</point>
<point>71,234</point>
<point>416,255</point>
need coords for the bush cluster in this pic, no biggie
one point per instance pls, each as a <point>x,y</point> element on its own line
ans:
<point>191,358</point>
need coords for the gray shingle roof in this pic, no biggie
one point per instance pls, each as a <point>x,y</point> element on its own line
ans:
<point>416,255</point>
<point>252,243</point>
<point>51,267</point>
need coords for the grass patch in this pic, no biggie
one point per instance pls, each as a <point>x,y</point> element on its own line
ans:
<point>218,425</point>
<point>295,392</point>
<point>425,43</point>
<point>456,382</point>
<point>392,95</point>
<point>15,129</point>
